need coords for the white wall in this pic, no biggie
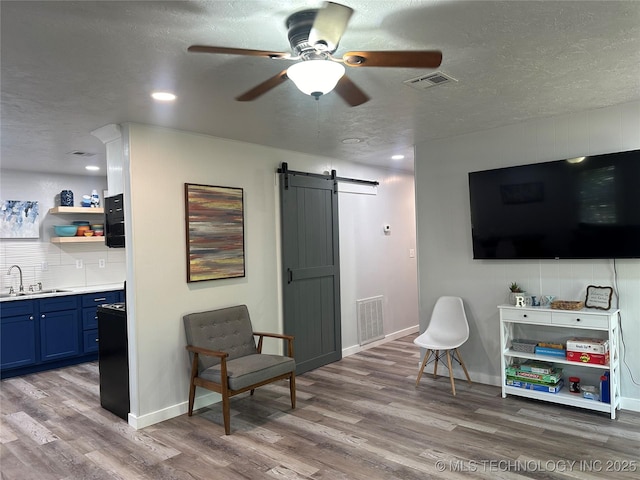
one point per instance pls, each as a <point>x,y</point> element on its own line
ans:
<point>445,263</point>
<point>160,162</point>
<point>60,259</point>
<point>376,263</point>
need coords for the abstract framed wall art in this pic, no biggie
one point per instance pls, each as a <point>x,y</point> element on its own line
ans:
<point>215,232</point>
<point>19,219</point>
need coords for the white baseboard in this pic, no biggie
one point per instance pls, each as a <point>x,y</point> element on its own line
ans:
<point>172,411</point>
<point>387,338</point>
<point>631,404</point>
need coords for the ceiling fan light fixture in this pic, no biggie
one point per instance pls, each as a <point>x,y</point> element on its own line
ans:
<point>576,159</point>
<point>315,77</point>
<point>163,96</point>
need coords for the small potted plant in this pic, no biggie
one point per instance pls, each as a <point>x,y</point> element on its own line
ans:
<point>514,290</point>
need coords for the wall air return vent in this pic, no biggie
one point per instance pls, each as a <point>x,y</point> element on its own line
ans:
<point>430,80</point>
<point>370,319</point>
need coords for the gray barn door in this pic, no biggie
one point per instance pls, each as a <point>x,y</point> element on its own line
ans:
<point>310,265</point>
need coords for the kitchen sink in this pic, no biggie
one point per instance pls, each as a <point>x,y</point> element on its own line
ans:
<point>51,290</point>
<point>11,295</point>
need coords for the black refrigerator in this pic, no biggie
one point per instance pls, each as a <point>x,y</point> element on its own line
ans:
<point>113,358</point>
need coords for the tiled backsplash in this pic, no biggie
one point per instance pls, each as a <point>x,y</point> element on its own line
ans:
<point>60,266</point>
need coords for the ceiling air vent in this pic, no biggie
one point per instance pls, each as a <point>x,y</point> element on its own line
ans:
<point>79,153</point>
<point>431,80</point>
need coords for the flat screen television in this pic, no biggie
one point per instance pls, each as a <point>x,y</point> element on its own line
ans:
<point>586,207</point>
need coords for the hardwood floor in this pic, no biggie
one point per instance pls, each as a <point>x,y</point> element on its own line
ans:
<point>360,418</point>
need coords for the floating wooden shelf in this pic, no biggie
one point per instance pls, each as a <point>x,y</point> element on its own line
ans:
<point>89,210</point>
<point>93,239</point>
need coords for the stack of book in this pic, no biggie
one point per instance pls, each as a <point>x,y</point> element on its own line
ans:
<point>535,375</point>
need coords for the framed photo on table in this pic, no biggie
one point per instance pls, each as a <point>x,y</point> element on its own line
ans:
<point>598,297</point>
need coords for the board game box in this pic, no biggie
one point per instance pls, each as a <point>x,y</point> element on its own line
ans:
<point>546,378</point>
<point>585,357</point>
<point>552,352</point>
<point>532,386</point>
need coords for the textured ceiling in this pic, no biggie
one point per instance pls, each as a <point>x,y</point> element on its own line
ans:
<point>68,68</point>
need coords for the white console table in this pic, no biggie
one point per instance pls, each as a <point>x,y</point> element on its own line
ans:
<point>546,324</point>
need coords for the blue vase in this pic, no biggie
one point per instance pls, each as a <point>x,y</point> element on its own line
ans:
<point>66,198</point>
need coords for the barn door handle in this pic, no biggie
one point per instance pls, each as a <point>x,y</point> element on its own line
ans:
<point>289,275</point>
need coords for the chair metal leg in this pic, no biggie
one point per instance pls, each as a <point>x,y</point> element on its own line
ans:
<point>424,363</point>
<point>463,366</point>
<point>435,365</point>
<point>453,386</point>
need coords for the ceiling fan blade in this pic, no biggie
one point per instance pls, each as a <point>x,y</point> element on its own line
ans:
<point>238,51</point>
<point>329,25</point>
<point>350,93</point>
<point>264,87</point>
<point>407,59</point>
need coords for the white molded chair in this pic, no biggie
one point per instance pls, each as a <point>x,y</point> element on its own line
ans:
<point>447,330</point>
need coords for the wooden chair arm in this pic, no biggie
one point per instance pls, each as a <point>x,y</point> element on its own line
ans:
<point>212,353</point>
<point>274,335</point>
<point>205,351</point>
<point>288,338</point>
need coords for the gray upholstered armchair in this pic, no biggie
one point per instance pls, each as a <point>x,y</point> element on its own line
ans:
<point>225,358</point>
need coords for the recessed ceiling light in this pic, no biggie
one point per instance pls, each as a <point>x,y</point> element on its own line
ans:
<point>93,168</point>
<point>163,96</point>
<point>397,157</point>
<point>351,140</point>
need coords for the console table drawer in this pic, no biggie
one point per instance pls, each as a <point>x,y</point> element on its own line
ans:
<point>525,316</point>
<point>579,320</point>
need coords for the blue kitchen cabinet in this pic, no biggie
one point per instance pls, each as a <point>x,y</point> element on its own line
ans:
<point>59,328</point>
<point>50,332</point>
<point>17,334</point>
<point>90,303</point>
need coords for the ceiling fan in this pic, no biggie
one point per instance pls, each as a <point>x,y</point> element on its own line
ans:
<point>314,36</point>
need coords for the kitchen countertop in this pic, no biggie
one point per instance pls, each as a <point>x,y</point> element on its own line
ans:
<point>65,291</point>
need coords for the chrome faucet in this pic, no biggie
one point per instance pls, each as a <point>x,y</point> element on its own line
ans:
<point>21,289</point>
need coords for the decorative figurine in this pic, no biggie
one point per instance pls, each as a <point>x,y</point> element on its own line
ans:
<point>95,199</point>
